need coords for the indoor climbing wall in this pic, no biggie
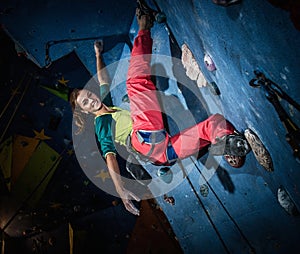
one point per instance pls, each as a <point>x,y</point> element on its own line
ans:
<point>211,206</point>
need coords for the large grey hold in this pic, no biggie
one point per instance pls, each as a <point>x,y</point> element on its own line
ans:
<point>286,202</point>
<point>261,153</point>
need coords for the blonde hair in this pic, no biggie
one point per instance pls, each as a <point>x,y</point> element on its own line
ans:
<point>79,117</point>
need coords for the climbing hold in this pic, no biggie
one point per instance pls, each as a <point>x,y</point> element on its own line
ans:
<point>165,174</point>
<point>169,200</point>
<point>261,153</point>
<point>76,208</point>
<point>115,202</point>
<point>86,183</point>
<point>160,17</point>
<point>191,66</point>
<point>51,240</point>
<point>125,98</point>
<point>286,202</point>
<point>204,190</point>
<point>213,88</point>
<point>209,63</point>
<point>226,3</point>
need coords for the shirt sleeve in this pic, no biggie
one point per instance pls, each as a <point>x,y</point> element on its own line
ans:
<point>104,134</point>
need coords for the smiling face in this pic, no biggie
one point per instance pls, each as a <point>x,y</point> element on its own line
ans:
<point>88,101</point>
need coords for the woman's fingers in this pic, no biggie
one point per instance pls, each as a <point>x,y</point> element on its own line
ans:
<point>98,45</point>
<point>131,208</point>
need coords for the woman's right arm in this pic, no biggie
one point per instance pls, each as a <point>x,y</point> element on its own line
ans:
<point>126,195</point>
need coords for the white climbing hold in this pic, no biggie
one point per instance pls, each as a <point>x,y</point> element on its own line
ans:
<point>191,66</point>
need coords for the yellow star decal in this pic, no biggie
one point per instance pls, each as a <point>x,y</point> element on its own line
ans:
<point>41,135</point>
<point>70,152</point>
<point>63,81</point>
<point>103,175</point>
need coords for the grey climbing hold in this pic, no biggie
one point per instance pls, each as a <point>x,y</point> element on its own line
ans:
<point>261,153</point>
<point>213,88</point>
<point>165,174</point>
<point>286,202</point>
<point>204,190</point>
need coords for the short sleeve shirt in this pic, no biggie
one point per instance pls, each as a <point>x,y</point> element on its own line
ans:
<point>111,127</point>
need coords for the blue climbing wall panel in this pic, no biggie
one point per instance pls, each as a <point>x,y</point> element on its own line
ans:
<point>239,210</point>
<point>216,209</point>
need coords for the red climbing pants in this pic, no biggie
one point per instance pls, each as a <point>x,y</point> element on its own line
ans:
<point>148,136</point>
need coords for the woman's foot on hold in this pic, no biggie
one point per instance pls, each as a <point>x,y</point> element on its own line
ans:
<point>145,22</point>
<point>233,144</point>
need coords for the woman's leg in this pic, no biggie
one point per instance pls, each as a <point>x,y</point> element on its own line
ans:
<point>191,140</point>
<point>144,105</point>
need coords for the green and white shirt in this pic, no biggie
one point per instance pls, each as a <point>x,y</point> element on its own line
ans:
<point>111,127</point>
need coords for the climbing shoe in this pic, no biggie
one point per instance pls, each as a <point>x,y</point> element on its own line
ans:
<point>233,144</point>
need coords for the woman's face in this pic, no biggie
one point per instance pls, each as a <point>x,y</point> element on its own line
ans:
<point>88,101</point>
